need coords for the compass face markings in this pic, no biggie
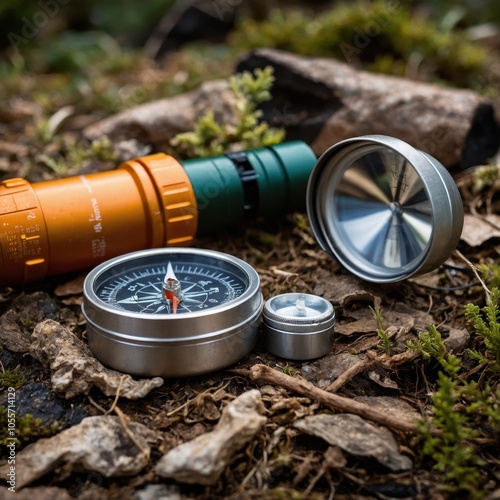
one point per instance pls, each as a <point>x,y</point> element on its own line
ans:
<point>140,289</point>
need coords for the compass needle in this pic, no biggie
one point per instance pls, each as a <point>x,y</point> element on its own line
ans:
<point>172,288</point>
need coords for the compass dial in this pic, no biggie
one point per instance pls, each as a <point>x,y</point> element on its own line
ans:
<point>204,283</point>
<point>172,311</point>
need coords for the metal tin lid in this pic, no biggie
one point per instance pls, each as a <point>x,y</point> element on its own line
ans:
<point>299,313</point>
<point>385,210</point>
<point>298,326</point>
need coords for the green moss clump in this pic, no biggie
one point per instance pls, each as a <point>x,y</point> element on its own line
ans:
<point>210,138</point>
<point>27,429</point>
<point>381,36</point>
<point>490,273</point>
<point>487,328</point>
<point>487,178</point>
<point>12,378</point>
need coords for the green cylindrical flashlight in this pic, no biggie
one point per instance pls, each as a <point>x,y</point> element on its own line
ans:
<point>69,224</point>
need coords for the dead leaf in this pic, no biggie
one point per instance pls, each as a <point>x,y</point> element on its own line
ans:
<point>477,230</point>
<point>98,444</point>
<point>382,380</point>
<point>75,370</point>
<point>73,287</point>
<point>357,437</point>
<point>324,370</point>
<point>366,322</point>
<point>342,289</point>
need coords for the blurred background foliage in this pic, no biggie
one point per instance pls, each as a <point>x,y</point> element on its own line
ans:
<point>112,54</point>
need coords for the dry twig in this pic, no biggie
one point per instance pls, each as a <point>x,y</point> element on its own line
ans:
<point>263,373</point>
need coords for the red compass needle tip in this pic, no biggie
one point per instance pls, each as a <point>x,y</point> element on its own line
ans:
<point>172,288</point>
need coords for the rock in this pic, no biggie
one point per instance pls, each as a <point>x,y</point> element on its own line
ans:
<point>159,492</point>
<point>74,368</point>
<point>203,460</point>
<point>156,122</point>
<point>13,335</point>
<point>323,101</point>
<point>98,444</point>
<point>457,340</point>
<point>357,437</point>
<point>39,401</point>
<point>36,307</point>
<point>38,493</point>
<point>8,359</point>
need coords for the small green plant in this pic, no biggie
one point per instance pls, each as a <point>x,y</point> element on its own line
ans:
<point>102,149</point>
<point>289,370</point>
<point>457,408</point>
<point>75,153</point>
<point>385,343</point>
<point>302,223</point>
<point>28,428</point>
<point>486,177</point>
<point>430,344</point>
<point>57,164</point>
<point>210,138</point>
<point>487,328</point>
<point>43,131</point>
<point>490,273</point>
<point>11,377</point>
<point>452,451</point>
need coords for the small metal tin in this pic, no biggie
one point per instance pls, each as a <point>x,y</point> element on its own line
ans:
<point>383,209</point>
<point>298,326</point>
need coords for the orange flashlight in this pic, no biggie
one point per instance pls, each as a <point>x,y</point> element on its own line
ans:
<point>75,223</point>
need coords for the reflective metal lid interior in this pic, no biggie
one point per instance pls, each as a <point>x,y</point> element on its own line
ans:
<point>383,209</point>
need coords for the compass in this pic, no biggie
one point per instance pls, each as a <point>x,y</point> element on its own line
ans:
<point>172,311</point>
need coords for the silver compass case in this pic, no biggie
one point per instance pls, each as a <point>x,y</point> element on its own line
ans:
<point>385,210</point>
<point>131,333</point>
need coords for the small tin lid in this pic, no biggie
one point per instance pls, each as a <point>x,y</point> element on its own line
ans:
<point>298,326</point>
<point>383,209</point>
<point>298,313</point>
